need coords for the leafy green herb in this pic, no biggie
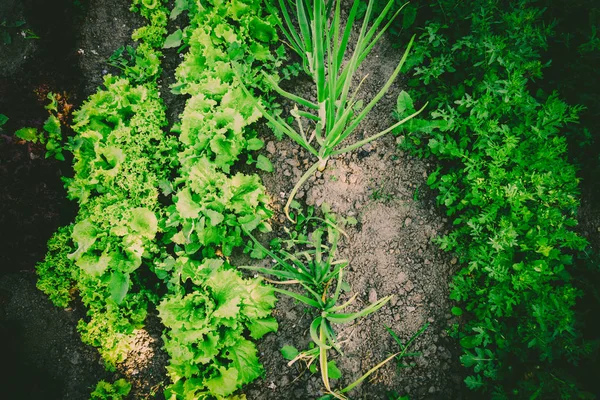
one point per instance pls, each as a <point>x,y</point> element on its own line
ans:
<point>111,391</point>
<point>28,134</point>
<point>205,340</point>
<point>511,194</point>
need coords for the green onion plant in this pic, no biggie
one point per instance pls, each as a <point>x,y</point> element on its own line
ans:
<point>314,267</point>
<point>323,45</point>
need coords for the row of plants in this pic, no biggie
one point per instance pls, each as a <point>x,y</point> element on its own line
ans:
<point>321,40</point>
<point>124,164</point>
<point>120,155</point>
<point>505,181</point>
<point>226,62</point>
<point>211,313</point>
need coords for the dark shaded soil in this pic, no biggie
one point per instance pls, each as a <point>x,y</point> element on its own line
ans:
<point>32,201</point>
<point>40,344</point>
<point>41,348</point>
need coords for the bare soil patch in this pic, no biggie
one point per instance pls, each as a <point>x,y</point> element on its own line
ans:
<point>390,252</point>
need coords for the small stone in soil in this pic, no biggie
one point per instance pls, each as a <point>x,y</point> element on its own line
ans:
<point>402,277</point>
<point>372,295</point>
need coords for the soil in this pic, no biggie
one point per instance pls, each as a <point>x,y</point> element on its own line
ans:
<point>390,252</point>
<point>390,249</point>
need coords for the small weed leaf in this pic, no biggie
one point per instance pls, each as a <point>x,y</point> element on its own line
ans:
<point>173,40</point>
<point>264,163</point>
<point>334,372</point>
<point>289,352</point>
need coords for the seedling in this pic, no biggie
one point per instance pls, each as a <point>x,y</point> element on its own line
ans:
<point>404,347</point>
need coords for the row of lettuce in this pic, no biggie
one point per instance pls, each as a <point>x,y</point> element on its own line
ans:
<point>512,196</point>
<point>157,215</point>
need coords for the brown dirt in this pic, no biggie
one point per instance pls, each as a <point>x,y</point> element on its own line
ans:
<point>390,252</point>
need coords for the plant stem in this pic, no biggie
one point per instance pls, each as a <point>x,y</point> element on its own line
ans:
<point>306,175</point>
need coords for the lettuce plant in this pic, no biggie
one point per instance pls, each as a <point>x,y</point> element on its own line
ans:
<point>207,328</point>
<point>323,45</point>
<point>120,155</point>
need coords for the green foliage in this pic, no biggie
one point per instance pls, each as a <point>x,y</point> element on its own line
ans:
<point>116,127</point>
<point>393,395</point>
<point>212,211</point>
<point>141,64</point>
<point>509,189</point>
<point>57,274</point>
<point>52,138</point>
<point>123,162</point>
<point>120,157</point>
<point>216,117</point>
<point>404,347</point>
<point>208,330</point>
<point>211,312</point>
<point>289,352</point>
<point>111,391</point>
<point>29,134</point>
<point>9,29</point>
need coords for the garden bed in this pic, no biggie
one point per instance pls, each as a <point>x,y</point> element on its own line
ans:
<point>382,189</point>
